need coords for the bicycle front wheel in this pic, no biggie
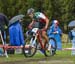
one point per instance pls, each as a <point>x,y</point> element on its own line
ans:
<point>29,48</point>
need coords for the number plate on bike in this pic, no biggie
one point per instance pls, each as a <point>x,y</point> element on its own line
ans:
<point>34,30</point>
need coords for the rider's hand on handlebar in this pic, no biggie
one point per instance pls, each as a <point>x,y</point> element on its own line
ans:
<point>29,27</point>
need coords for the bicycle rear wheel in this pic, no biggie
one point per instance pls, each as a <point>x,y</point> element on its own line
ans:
<point>53,46</point>
<point>29,49</point>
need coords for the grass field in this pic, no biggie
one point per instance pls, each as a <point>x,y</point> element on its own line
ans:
<point>61,57</point>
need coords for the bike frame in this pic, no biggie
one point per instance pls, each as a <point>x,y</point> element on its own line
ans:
<point>39,38</point>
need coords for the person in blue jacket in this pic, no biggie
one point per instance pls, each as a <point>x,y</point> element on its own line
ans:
<point>73,40</point>
<point>55,32</point>
<point>16,34</point>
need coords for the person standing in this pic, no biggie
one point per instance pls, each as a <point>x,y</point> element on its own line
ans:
<point>3,24</point>
<point>3,27</point>
<point>16,33</point>
<point>55,32</point>
<point>73,40</point>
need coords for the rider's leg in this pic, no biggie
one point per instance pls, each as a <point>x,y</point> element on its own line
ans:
<point>44,35</point>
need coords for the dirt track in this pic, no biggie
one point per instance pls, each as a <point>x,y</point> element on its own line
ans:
<point>40,61</point>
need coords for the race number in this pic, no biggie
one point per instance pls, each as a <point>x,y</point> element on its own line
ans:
<point>34,30</point>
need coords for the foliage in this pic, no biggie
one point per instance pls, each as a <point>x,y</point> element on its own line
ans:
<point>62,10</point>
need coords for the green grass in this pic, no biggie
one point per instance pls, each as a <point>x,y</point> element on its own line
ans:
<point>60,56</point>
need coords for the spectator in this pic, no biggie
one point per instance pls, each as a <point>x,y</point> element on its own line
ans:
<point>16,34</point>
<point>73,40</point>
<point>3,26</point>
<point>55,32</point>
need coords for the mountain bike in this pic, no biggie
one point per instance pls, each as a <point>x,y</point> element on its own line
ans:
<point>34,42</point>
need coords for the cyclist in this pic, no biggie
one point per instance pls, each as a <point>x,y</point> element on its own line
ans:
<point>41,19</point>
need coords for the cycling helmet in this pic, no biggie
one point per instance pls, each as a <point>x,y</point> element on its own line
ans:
<point>29,11</point>
<point>55,21</point>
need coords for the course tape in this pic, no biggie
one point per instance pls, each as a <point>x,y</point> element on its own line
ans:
<point>14,47</point>
<point>68,49</point>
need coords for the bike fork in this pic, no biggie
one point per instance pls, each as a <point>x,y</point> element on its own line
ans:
<point>33,41</point>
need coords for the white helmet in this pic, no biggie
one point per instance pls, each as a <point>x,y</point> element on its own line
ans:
<point>29,11</point>
<point>55,21</point>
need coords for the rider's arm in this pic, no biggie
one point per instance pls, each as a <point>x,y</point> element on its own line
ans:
<point>47,23</point>
<point>30,25</point>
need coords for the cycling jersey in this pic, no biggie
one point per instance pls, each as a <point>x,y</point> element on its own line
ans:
<point>38,16</point>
